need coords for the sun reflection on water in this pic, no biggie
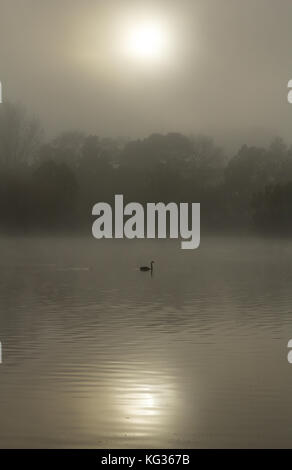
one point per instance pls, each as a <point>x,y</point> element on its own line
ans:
<point>143,402</point>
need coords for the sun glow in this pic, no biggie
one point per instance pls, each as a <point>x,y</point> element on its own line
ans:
<point>146,41</point>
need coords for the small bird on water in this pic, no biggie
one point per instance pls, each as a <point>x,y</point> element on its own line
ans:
<point>147,268</point>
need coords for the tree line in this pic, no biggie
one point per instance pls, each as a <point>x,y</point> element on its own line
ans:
<point>53,185</point>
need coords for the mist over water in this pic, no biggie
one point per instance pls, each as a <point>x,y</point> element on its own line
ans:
<point>98,354</point>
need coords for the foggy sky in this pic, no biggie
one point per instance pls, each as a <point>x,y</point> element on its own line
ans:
<point>226,76</point>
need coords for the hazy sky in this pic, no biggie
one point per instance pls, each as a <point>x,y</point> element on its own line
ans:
<point>225,72</point>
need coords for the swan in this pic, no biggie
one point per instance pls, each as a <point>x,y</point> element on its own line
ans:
<point>146,268</point>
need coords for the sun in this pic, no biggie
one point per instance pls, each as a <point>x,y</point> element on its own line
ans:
<point>146,41</point>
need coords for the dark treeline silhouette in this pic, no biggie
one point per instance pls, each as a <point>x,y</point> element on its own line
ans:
<point>53,186</point>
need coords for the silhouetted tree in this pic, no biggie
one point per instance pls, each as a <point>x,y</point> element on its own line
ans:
<point>271,208</point>
<point>20,136</point>
<point>54,193</point>
<point>66,148</point>
<point>55,185</point>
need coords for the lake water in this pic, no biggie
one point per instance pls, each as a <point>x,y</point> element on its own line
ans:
<point>98,354</point>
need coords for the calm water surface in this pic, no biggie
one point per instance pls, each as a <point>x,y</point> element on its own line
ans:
<point>97,354</point>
